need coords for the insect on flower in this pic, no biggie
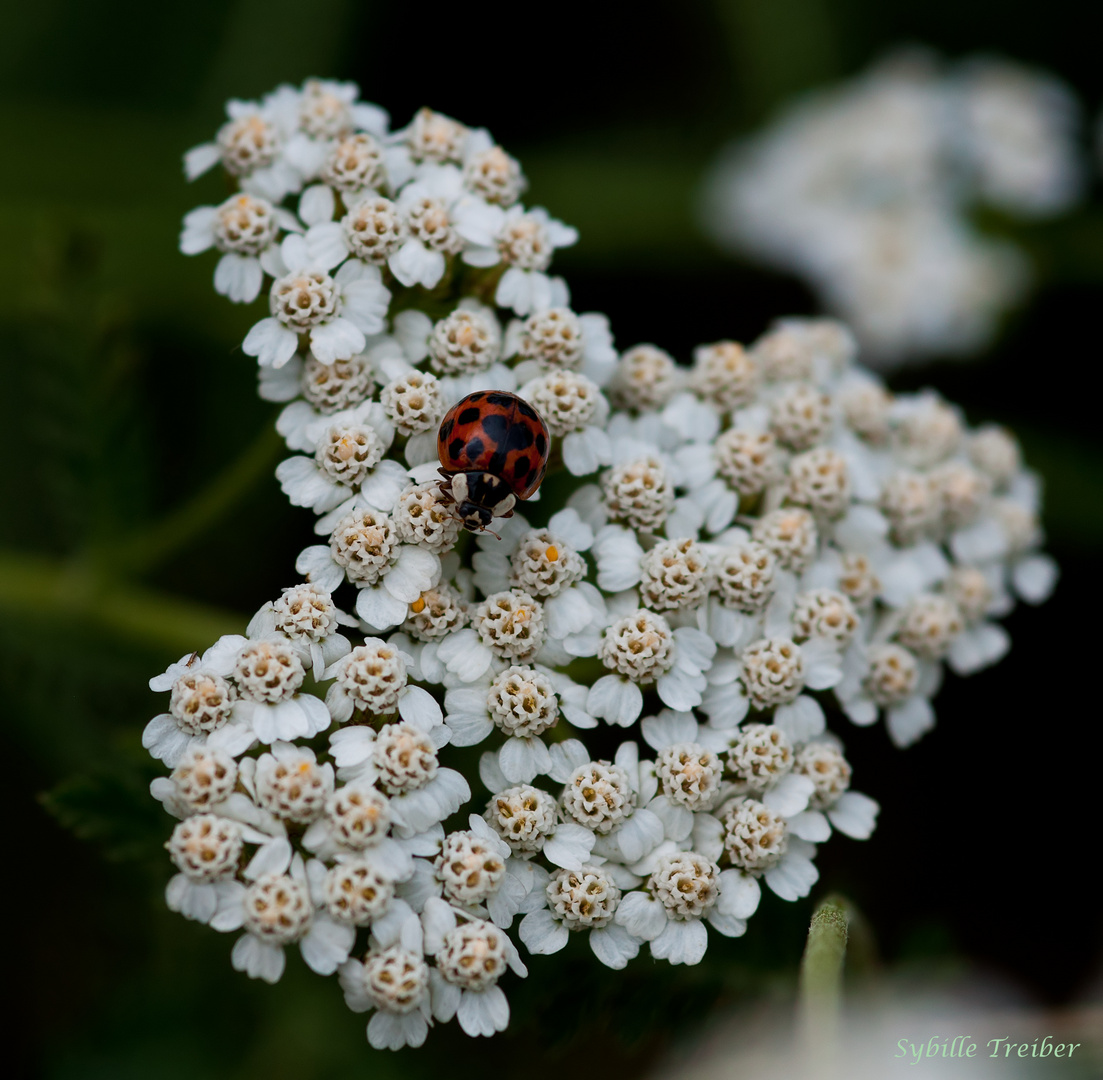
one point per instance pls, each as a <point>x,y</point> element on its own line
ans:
<point>493,450</point>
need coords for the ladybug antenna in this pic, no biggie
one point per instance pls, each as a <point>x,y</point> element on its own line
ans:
<point>491,531</point>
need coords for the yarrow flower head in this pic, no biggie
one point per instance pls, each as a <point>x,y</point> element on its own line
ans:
<point>867,191</point>
<point>738,551</point>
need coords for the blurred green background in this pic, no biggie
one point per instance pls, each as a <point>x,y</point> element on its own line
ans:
<point>141,517</point>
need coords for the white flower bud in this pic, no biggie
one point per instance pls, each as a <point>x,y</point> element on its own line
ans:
<point>468,868</point>
<point>322,113</point>
<point>420,516</point>
<point>599,796</point>
<point>639,493</point>
<point>245,225</point>
<point>364,543</point>
<point>748,460</point>
<point>960,491</point>
<point>278,909</point>
<point>646,378</point>
<point>395,980</point>
<point>565,399</point>
<point>866,408</point>
<point>268,671</point>
<point>359,817</point>
<point>372,675</point>
<point>247,144</point>
<point>674,574</point>
<point>800,416</point>
<point>828,770</point>
<point>970,589</point>
<point>414,402</point>
<point>474,955</point>
<point>819,480</point>
<point>929,625</point>
<point>304,299</point>
<point>745,577</point>
<point>543,565</point>
<point>205,848</point>
<point>305,613</point>
<point>857,578</point>
<point>427,220</point>
<point>510,624</point>
<point>355,163</point>
<point>374,229</point>
<point>204,777</point>
<point>640,646</point>
<point>784,356</point>
<point>464,342</point>
<point>432,136</point>
<point>356,892</point>
<point>995,451</point>
<point>521,702</point>
<point>686,884</point>
<point>295,787</point>
<point>583,899</point>
<point>524,817</point>
<point>201,703</point>
<point>405,757</point>
<point>347,454</point>
<point>436,614</point>
<point>761,757</point>
<point>790,535</point>
<point>340,385</point>
<point>928,434</point>
<point>495,176</point>
<point>893,674</point>
<point>724,374</point>
<point>524,243</point>
<point>689,774</point>
<point>773,672</point>
<point>554,337</point>
<point>824,613</point>
<point>755,837</point>
<point>909,504</point>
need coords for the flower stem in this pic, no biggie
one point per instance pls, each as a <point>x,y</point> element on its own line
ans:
<point>71,592</point>
<point>158,542</point>
<point>821,976</point>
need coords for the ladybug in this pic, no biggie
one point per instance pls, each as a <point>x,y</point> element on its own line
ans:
<point>493,450</point>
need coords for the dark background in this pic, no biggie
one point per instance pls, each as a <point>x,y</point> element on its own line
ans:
<point>141,518</point>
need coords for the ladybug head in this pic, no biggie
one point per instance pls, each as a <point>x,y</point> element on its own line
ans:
<point>474,517</point>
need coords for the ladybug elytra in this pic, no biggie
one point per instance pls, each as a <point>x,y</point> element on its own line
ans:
<point>493,449</point>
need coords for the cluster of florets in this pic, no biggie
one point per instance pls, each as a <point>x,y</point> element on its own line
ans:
<point>746,542</point>
<point>868,190</point>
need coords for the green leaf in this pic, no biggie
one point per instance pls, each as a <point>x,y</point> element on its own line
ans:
<point>113,810</point>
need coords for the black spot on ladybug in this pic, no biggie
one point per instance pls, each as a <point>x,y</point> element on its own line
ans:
<point>477,396</point>
<point>497,462</point>
<point>521,468</point>
<point>455,448</point>
<point>468,416</point>
<point>474,448</point>
<point>496,427</point>
<point>446,429</point>
<point>541,444</point>
<point>502,399</point>
<point>520,437</point>
<point>526,410</point>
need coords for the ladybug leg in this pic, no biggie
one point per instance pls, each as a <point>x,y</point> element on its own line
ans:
<point>445,489</point>
<point>507,514</point>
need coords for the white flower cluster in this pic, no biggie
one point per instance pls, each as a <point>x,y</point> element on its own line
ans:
<point>747,535</point>
<point>866,191</point>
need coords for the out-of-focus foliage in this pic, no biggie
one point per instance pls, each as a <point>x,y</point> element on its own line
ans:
<point>141,518</point>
